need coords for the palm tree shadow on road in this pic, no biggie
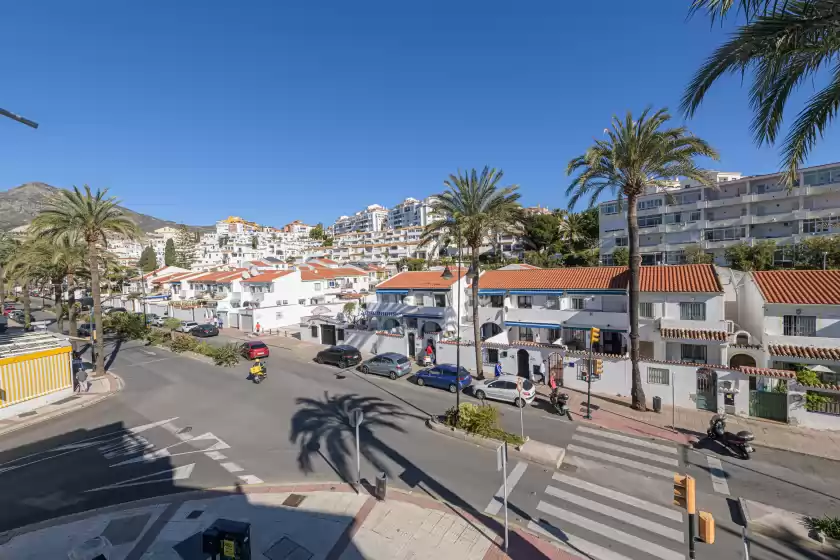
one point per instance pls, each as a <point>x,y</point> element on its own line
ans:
<point>327,420</point>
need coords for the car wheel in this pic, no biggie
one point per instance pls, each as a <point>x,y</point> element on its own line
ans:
<point>342,364</point>
<point>519,402</point>
<point>319,360</point>
<point>453,388</point>
<point>420,381</point>
<point>392,375</point>
<point>365,370</point>
<point>480,395</point>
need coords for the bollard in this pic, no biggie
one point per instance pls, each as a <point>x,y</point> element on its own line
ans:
<point>381,487</point>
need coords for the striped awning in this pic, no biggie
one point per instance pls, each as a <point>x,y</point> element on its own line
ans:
<point>382,313</point>
<point>532,325</point>
<point>536,292</point>
<point>595,292</point>
<point>489,292</point>
<point>387,291</point>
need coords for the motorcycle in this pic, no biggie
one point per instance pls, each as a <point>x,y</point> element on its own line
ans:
<point>737,443</point>
<point>560,403</point>
<point>258,372</point>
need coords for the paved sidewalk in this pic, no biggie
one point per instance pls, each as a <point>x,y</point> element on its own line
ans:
<point>100,388</point>
<point>615,413</point>
<point>294,522</point>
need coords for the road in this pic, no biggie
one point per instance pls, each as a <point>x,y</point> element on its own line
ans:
<point>181,424</point>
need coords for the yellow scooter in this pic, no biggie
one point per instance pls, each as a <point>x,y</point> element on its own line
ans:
<point>258,371</point>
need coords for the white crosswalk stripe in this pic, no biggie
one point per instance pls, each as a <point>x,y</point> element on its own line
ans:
<point>592,510</point>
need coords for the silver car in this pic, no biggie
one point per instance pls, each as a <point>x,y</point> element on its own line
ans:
<point>391,364</point>
<point>504,388</point>
<point>186,326</point>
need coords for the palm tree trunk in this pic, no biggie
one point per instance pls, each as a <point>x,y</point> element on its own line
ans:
<point>2,286</point>
<point>71,306</point>
<point>27,307</point>
<point>95,291</point>
<point>637,393</point>
<point>479,361</point>
<point>59,312</point>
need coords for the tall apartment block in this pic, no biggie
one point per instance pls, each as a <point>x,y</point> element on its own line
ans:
<point>372,218</point>
<point>411,212</point>
<point>739,210</point>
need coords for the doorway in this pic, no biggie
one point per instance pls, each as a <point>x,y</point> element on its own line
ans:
<point>411,349</point>
<point>706,389</point>
<point>523,360</point>
<point>328,335</point>
<point>555,368</point>
<point>739,360</point>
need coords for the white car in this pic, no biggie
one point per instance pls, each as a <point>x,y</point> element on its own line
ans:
<point>187,326</point>
<point>503,388</point>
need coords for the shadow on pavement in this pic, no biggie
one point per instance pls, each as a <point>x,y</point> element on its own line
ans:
<point>782,545</point>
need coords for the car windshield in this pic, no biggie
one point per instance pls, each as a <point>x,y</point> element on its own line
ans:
<point>402,360</point>
<point>257,345</point>
<point>527,385</point>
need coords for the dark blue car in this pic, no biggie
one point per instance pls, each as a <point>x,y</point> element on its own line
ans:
<point>443,376</point>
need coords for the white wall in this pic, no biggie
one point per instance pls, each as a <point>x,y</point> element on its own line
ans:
<point>828,323</point>
<point>799,416</point>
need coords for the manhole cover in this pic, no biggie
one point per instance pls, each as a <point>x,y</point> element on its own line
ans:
<point>195,514</point>
<point>568,468</point>
<point>294,500</point>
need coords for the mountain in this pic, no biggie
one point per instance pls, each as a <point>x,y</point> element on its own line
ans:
<point>18,206</point>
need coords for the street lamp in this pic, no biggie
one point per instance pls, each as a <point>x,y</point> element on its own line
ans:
<point>18,118</point>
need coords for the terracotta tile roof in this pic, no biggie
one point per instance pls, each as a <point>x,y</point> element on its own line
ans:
<point>421,279</point>
<point>259,263</point>
<point>311,275</point>
<point>325,261</point>
<point>806,352</point>
<point>163,279</point>
<point>799,287</point>
<point>682,278</point>
<point>694,334</point>
<point>268,276</point>
<point>785,374</point>
<point>219,276</point>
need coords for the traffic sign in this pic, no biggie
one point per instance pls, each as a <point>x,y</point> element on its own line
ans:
<point>519,381</point>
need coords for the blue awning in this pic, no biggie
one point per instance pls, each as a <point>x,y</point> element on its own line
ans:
<point>385,291</point>
<point>157,297</point>
<point>532,325</point>
<point>537,292</point>
<point>491,292</point>
<point>596,292</point>
<point>423,316</point>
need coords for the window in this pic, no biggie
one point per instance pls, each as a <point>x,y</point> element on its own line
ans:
<point>314,331</point>
<point>411,322</point>
<point>302,301</point>
<point>650,221</point>
<point>524,302</point>
<point>526,333</point>
<point>317,286</point>
<point>552,302</point>
<point>658,376</point>
<point>646,309</point>
<point>440,300</point>
<point>725,234</point>
<point>693,311</point>
<point>339,334</point>
<point>332,284</point>
<point>799,325</point>
<point>694,216</point>
<point>554,334</point>
<point>622,241</point>
<point>492,356</point>
<point>649,204</point>
<point>607,260</point>
<point>821,225</point>
<point>497,301</point>
<point>694,353</point>
<point>611,208</point>
<point>578,303</point>
<point>685,198</point>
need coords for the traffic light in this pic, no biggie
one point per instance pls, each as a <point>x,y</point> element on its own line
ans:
<point>594,335</point>
<point>684,492</point>
<point>707,527</point>
<point>599,369</point>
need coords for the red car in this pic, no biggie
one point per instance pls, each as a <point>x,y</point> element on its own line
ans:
<point>255,349</point>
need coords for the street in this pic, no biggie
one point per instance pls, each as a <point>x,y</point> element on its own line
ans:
<point>181,424</point>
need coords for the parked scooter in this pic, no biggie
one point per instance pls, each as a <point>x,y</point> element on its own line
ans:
<point>560,403</point>
<point>737,443</point>
<point>258,372</point>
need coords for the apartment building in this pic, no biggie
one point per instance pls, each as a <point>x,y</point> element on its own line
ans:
<point>412,212</point>
<point>372,218</point>
<point>737,210</point>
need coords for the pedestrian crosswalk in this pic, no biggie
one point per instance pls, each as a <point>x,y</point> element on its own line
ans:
<point>612,499</point>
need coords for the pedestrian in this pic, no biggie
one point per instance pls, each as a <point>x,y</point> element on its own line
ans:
<point>258,328</point>
<point>220,322</point>
<point>82,384</point>
<point>542,372</point>
<point>215,321</point>
<point>430,353</point>
<point>498,369</point>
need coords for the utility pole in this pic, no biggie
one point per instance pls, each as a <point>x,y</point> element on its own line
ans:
<point>18,118</point>
<point>594,336</point>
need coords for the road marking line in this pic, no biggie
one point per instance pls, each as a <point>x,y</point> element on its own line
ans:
<point>216,456</point>
<point>572,543</point>
<point>623,516</point>
<point>619,497</point>
<point>178,473</point>
<point>149,352</point>
<point>497,501</point>
<point>612,533</point>
<point>231,467</point>
<point>621,461</point>
<point>628,439</point>
<point>718,476</point>
<point>147,362</point>
<point>627,450</point>
<point>250,479</point>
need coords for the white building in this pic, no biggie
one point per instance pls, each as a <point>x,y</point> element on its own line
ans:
<point>739,210</point>
<point>411,212</point>
<point>372,218</point>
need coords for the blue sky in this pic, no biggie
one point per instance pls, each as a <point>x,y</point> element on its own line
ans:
<point>191,110</point>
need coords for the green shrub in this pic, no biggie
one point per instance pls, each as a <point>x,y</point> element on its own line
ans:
<point>183,343</point>
<point>828,525</point>
<point>481,421</point>
<point>125,325</point>
<point>171,323</point>
<point>227,355</point>
<point>158,337</point>
<point>204,349</point>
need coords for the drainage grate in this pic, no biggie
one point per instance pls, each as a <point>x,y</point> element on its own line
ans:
<point>25,414</point>
<point>195,514</point>
<point>294,500</point>
<point>67,400</point>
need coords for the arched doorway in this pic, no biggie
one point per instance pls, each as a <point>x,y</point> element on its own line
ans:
<point>739,360</point>
<point>523,360</point>
<point>390,323</point>
<point>490,329</point>
<point>431,327</point>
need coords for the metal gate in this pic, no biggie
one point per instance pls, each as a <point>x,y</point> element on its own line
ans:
<point>769,405</point>
<point>246,322</point>
<point>555,368</point>
<point>707,389</point>
<point>234,320</point>
<point>328,335</point>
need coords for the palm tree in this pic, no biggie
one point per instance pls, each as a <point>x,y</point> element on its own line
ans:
<point>474,208</point>
<point>93,218</point>
<point>637,155</point>
<point>8,246</point>
<point>785,44</point>
<point>572,229</point>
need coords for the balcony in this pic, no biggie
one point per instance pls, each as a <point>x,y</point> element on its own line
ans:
<point>728,222</point>
<point>812,190</point>
<point>686,226</point>
<point>569,317</point>
<point>721,244</point>
<point>676,323</point>
<point>687,207</point>
<point>772,218</point>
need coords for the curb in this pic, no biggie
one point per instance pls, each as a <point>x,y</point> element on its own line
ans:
<point>745,512</point>
<point>69,410</point>
<point>539,453</point>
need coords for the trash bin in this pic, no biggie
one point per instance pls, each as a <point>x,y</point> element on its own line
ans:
<point>657,404</point>
<point>381,486</point>
<point>227,540</point>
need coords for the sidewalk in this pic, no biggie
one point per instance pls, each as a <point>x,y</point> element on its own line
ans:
<point>615,413</point>
<point>295,522</point>
<point>100,388</point>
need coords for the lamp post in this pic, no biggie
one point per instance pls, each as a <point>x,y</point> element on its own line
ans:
<point>18,118</point>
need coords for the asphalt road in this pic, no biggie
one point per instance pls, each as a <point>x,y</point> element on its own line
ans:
<point>199,426</point>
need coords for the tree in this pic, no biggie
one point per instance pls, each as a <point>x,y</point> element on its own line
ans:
<point>93,218</point>
<point>694,254</point>
<point>748,258</point>
<point>411,264</point>
<point>255,242</point>
<point>184,247</point>
<point>327,241</point>
<point>621,256</point>
<point>170,257</point>
<point>541,231</point>
<point>473,207</point>
<point>317,232</point>
<point>814,251</point>
<point>8,247</point>
<point>785,45</point>
<point>349,309</point>
<point>638,154</point>
<point>573,231</point>
<point>148,259</point>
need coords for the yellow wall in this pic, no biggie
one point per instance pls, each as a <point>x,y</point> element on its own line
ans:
<point>34,375</point>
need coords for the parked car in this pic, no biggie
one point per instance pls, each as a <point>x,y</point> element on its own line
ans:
<point>443,376</point>
<point>150,317</point>
<point>343,356</point>
<point>203,331</point>
<point>186,326</point>
<point>503,388</point>
<point>254,349</point>
<point>116,310</point>
<point>18,315</point>
<point>390,363</point>
<point>158,321</point>
<point>84,329</point>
